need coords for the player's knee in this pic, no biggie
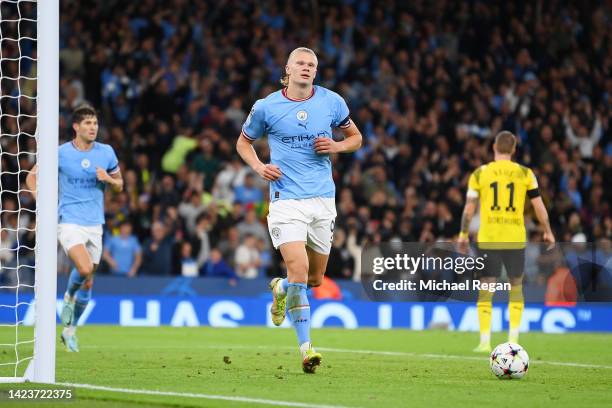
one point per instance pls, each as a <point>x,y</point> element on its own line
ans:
<point>297,270</point>
<point>85,269</point>
<point>314,282</point>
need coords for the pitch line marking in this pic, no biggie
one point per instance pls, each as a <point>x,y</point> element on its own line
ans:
<point>411,354</point>
<point>200,396</point>
<point>383,353</point>
<point>455,357</point>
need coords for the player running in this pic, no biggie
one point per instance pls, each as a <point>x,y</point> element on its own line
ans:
<point>298,121</point>
<point>501,187</point>
<point>85,168</point>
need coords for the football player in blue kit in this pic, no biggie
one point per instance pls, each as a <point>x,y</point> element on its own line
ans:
<point>298,120</point>
<point>86,167</point>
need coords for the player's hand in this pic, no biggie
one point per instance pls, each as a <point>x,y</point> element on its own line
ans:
<point>270,172</point>
<point>102,175</point>
<point>550,239</point>
<point>463,244</point>
<point>326,145</point>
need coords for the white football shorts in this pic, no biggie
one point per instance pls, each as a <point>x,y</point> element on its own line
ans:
<point>70,235</point>
<point>309,219</point>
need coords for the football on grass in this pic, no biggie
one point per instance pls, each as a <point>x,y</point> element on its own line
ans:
<point>509,361</point>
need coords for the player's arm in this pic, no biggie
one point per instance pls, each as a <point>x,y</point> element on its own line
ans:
<point>471,203</point>
<point>245,149</point>
<point>466,218</point>
<point>469,210</point>
<point>31,180</point>
<point>254,127</point>
<point>136,264</point>
<point>533,193</point>
<point>352,140</point>
<point>114,180</point>
<point>542,215</point>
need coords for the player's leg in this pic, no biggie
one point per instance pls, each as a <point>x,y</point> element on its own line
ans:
<point>82,298</point>
<point>317,264</point>
<point>86,258</point>
<point>298,307</point>
<point>514,261</point>
<point>484,305</point>
<point>320,238</point>
<point>83,268</point>
<point>318,246</point>
<point>286,223</point>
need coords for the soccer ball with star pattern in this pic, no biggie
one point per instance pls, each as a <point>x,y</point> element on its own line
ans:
<point>509,361</point>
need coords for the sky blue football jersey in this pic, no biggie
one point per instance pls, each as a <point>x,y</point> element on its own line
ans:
<point>81,195</point>
<point>292,127</point>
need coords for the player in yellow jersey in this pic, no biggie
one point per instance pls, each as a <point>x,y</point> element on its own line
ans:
<point>501,187</point>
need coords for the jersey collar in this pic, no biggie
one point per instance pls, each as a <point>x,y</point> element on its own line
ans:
<point>74,146</point>
<point>284,92</point>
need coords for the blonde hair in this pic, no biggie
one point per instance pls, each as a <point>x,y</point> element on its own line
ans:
<point>284,80</point>
<point>505,142</point>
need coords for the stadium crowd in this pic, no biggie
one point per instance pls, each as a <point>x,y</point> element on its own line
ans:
<point>429,84</point>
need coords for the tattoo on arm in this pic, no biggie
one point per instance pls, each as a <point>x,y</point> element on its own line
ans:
<point>468,213</point>
<point>465,221</point>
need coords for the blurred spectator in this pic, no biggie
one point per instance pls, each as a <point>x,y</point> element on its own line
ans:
<point>123,252</point>
<point>247,258</point>
<point>8,270</point>
<point>202,238</point>
<point>206,163</point>
<point>248,193</point>
<point>190,210</point>
<point>252,226</point>
<point>189,266</point>
<point>157,251</point>
<point>217,267</point>
<point>327,290</point>
<point>340,263</point>
<point>229,245</point>
<point>232,175</point>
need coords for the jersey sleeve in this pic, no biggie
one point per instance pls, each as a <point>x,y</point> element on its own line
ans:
<point>341,112</point>
<point>137,249</point>
<point>255,124</point>
<point>532,185</point>
<point>113,162</point>
<point>473,186</point>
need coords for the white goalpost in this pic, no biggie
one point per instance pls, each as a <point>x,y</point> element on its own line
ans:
<point>40,53</point>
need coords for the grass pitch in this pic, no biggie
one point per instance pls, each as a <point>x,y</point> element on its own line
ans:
<point>207,367</point>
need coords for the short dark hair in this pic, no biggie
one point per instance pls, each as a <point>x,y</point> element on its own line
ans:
<point>505,142</point>
<point>81,112</point>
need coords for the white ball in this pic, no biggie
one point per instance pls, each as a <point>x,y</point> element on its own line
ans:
<point>509,360</point>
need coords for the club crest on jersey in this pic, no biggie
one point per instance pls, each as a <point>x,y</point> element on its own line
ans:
<point>302,115</point>
<point>85,163</point>
<point>276,232</point>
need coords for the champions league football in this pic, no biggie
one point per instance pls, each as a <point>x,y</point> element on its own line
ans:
<point>509,361</point>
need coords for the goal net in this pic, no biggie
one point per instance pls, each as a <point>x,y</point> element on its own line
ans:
<point>29,32</point>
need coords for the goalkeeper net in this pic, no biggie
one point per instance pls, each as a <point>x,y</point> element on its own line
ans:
<point>21,147</point>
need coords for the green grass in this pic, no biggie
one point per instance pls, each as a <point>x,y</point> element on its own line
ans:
<point>265,364</point>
